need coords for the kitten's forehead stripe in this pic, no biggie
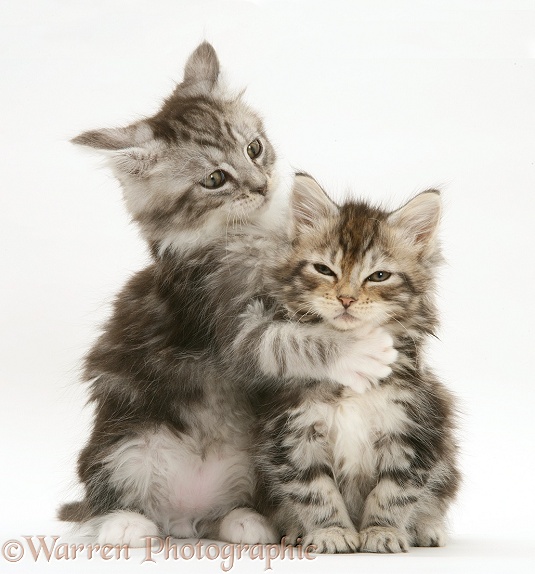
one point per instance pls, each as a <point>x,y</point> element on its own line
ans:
<point>208,141</point>
<point>230,131</point>
<point>358,229</point>
<point>195,118</point>
<point>163,130</point>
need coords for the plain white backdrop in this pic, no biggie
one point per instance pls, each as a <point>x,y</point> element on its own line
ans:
<point>380,99</point>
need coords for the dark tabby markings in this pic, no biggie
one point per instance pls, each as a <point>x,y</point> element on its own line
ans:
<point>402,500</point>
<point>414,474</point>
<point>276,347</point>
<point>308,474</point>
<point>309,498</point>
<point>384,521</point>
<point>157,366</point>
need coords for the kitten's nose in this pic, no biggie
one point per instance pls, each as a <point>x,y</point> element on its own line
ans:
<point>346,300</point>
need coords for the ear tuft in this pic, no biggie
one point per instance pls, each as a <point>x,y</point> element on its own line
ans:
<point>136,162</point>
<point>310,204</point>
<point>419,218</point>
<point>202,66</point>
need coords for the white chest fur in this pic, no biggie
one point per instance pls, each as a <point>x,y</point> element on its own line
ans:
<point>358,420</point>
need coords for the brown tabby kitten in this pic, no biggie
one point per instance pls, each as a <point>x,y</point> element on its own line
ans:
<point>373,469</point>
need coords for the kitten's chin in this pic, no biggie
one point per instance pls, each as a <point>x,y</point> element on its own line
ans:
<point>345,322</point>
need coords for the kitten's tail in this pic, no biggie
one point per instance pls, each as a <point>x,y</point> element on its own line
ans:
<point>74,511</point>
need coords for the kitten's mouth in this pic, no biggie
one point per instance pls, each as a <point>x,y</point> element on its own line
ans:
<point>346,318</point>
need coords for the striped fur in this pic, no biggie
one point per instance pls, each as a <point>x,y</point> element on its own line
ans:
<point>161,161</point>
<point>169,451</point>
<point>382,462</point>
<point>170,447</point>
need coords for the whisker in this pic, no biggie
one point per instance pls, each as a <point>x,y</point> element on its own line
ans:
<point>390,316</point>
<point>301,307</point>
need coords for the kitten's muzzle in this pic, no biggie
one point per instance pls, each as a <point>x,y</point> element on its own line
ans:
<point>260,190</point>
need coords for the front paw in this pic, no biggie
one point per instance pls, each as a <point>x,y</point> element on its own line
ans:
<point>366,361</point>
<point>383,539</point>
<point>429,535</point>
<point>356,381</point>
<point>124,527</point>
<point>246,526</point>
<point>377,344</point>
<point>333,540</point>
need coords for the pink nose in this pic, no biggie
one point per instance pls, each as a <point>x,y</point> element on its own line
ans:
<point>346,301</point>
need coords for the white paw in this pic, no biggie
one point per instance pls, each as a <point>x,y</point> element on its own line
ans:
<point>429,535</point>
<point>125,527</point>
<point>246,526</point>
<point>367,360</point>
<point>383,539</point>
<point>334,540</point>
<point>182,528</point>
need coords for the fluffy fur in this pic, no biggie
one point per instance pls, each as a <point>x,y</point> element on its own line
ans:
<point>170,449</point>
<point>162,161</point>
<point>374,468</point>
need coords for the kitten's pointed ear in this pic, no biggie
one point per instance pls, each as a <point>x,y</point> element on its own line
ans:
<point>202,67</point>
<point>419,218</point>
<point>130,149</point>
<point>310,204</point>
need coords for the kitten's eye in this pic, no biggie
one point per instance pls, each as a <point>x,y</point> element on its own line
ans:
<point>379,276</point>
<point>254,149</point>
<point>216,179</point>
<point>324,270</point>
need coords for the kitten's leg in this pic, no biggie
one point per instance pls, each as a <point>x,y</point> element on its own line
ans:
<point>290,349</point>
<point>102,515</point>
<point>246,526</point>
<point>107,517</point>
<point>296,463</point>
<point>416,469</point>
<point>428,526</point>
<point>386,513</point>
<point>127,486</point>
<point>407,505</point>
<point>428,529</point>
<point>402,478</point>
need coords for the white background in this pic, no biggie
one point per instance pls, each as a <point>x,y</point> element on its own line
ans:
<point>382,98</point>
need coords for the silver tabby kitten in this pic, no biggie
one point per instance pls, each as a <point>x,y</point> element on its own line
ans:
<point>169,452</point>
<point>370,469</point>
<point>169,449</point>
